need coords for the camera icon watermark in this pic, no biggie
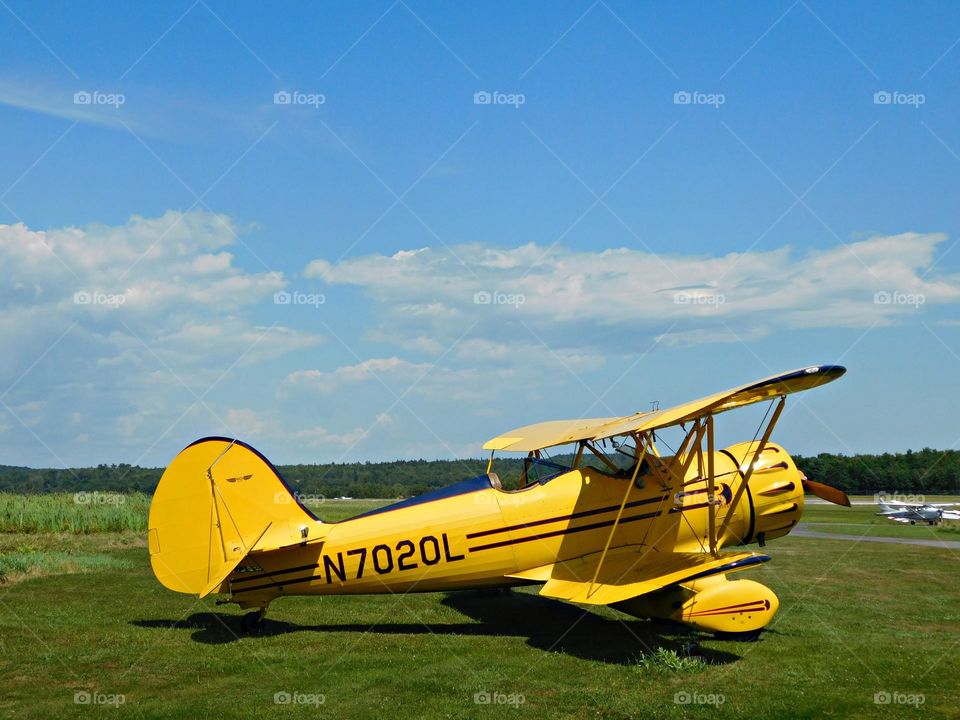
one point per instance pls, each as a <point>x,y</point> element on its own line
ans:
<point>98,498</point>
<point>84,697</point>
<point>296,297</point>
<point>96,97</point>
<point>297,698</point>
<point>485,97</point>
<point>281,497</point>
<point>909,499</point>
<point>885,697</point>
<point>485,697</point>
<point>714,300</point>
<point>696,97</point>
<point>485,297</point>
<point>95,297</point>
<point>296,97</point>
<point>686,697</point>
<point>895,97</point>
<point>895,297</point>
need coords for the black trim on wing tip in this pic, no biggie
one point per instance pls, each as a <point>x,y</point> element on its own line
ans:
<point>241,443</point>
<point>728,567</point>
<point>831,372</point>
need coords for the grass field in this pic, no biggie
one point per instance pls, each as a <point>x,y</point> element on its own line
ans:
<point>858,622</point>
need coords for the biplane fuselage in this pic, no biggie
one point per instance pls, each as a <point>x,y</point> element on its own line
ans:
<point>489,536</point>
<point>645,538</point>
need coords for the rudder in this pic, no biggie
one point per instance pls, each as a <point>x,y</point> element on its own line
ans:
<point>216,502</point>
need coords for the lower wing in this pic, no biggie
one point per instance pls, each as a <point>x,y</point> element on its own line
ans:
<point>631,572</point>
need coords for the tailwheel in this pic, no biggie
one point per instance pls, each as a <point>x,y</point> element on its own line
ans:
<point>252,622</point>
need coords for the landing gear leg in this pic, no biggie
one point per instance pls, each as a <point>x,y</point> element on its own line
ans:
<point>252,622</point>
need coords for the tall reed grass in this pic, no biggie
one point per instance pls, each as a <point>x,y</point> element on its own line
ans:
<point>79,513</point>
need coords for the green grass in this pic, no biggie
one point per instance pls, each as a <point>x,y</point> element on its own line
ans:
<point>855,620</point>
<point>96,512</point>
<point>53,563</point>
<point>29,555</point>
<point>668,661</point>
<point>83,512</point>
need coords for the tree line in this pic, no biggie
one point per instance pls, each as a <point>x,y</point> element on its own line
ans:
<point>925,471</point>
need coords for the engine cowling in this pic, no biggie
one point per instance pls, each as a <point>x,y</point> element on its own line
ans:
<point>775,490</point>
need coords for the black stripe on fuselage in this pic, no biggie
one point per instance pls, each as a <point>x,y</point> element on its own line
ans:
<point>565,531</point>
<point>558,518</point>
<point>281,583</point>
<point>273,573</point>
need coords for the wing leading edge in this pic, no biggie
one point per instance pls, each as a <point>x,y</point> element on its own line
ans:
<point>561,432</point>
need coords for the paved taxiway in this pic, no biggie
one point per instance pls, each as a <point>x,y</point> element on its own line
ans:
<point>801,531</point>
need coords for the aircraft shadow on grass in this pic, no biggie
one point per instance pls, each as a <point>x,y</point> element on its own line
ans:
<point>547,624</point>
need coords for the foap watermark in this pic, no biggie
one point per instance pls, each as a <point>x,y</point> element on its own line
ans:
<point>485,697</point>
<point>296,97</point>
<point>689,297</point>
<point>911,499</point>
<point>96,97</point>
<point>895,297</point>
<point>84,697</point>
<point>98,498</point>
<point>484,297</point>
<point>298,698</point>
<point>299,298</point>
<point>696,97</point>
<point>95,297</point>
<point>284,498</point>
<point>505,499</point>
<point>686,697</point>
<point>886,697</point>
<point>485,97</point>
<point>895,97</point>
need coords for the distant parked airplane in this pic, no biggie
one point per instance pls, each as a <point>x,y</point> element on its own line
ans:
<point>930,513</point>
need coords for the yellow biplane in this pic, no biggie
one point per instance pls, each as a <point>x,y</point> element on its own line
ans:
<point>632,528</point>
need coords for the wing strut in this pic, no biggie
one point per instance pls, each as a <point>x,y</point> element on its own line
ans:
<point>753,461</point>
<point>711,489</point>
<point>644,442</point>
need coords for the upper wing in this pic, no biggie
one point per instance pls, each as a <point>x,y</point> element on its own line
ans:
<point>631,572</point>
<point>548,434</point>
<point>561,432</point>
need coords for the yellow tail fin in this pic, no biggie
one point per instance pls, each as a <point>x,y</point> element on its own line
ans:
<point>217,501</point>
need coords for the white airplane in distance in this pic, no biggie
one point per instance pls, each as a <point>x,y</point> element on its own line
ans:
<point>930,513</point>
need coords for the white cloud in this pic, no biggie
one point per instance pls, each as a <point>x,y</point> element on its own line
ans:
<point>318,436</point>
<point>130,324</point>
<point>38,98</point>
<point>452,340</point>
<point>247,423</point>
<point>616,299</point>
<point>324,382</point>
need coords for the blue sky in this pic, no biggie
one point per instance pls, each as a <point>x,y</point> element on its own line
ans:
<point>658,201</point>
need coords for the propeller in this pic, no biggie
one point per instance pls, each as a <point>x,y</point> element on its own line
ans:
<point>825,492</point>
